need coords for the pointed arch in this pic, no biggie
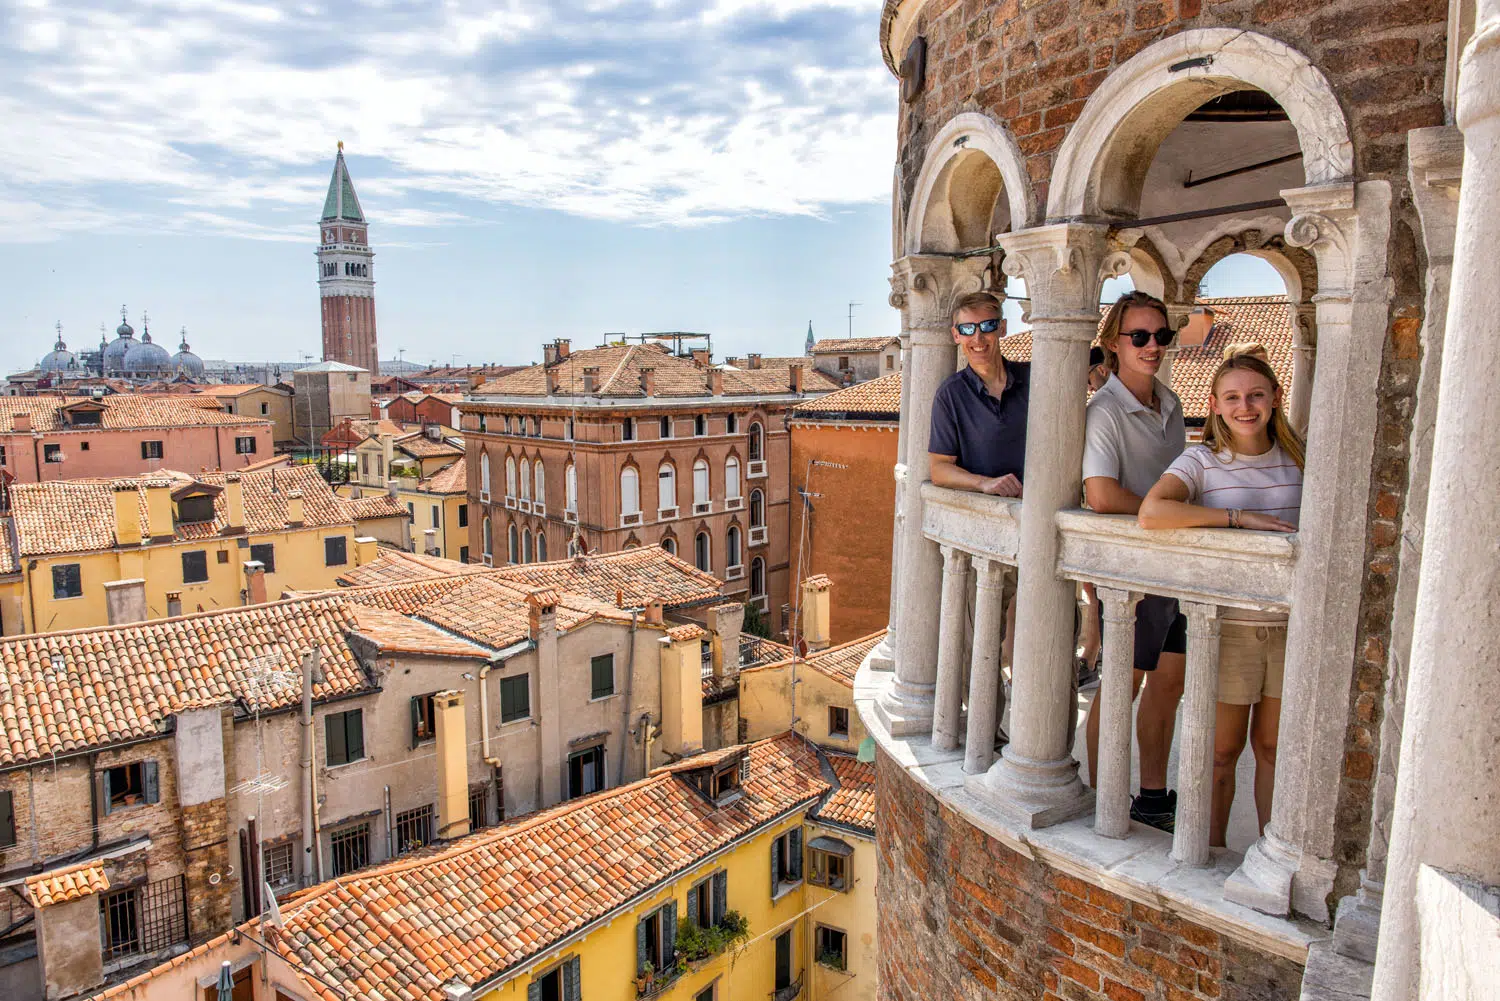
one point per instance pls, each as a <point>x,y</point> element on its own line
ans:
<point>961,147</point>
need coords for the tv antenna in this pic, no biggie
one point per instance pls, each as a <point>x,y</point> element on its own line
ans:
<point>851,316</point>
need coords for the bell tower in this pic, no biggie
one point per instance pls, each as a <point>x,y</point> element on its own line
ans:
<point>346,275</point>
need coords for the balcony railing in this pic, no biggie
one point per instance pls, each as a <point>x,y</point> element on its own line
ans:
<point>1204,568</point>
<point>790,992</point>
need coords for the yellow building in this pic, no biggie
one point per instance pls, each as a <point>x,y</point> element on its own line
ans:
<point>603,898</point>
<point>424,472</point>
<point>257,400</point>
<point>92,552</point>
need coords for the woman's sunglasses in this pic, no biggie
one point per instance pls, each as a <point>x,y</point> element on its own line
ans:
<point>982,327</point>
<point>1140,338</point>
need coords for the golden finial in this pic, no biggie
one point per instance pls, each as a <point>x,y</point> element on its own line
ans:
<point>341,145</point>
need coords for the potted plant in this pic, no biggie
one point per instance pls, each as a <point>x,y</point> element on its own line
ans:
<point>832,960</point>
<point>644,977</point>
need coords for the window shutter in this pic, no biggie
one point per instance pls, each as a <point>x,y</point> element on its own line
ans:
<point>572,986</point>
<point>7,821</point>
<point>669,933</point>
<point>775,863</point>
<point>357,735</point>
<point>104,793</point>
<point>795,868</point>
<point>692,904</point>
<point>721,897</point>
<point>153,785</point>
<point>416,718</point>
<point>534,991</point>
<point>333,727</point>
<point>642,947</point>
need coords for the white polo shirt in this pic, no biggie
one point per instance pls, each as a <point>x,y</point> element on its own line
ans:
<point>1127,441</point>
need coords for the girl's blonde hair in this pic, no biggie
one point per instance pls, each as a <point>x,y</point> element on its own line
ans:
<point>1216,433</point>
<point>1109,333</point>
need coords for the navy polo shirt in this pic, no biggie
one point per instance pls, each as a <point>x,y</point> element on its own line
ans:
<point>986,435</point>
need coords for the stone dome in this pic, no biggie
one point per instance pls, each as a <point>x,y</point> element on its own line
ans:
<point>184,362</point>
<point>59,359</point>
<point>117,349</point>
<point>146,358</point>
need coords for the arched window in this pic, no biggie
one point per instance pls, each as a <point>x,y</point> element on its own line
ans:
<point>731,478</point>
<point>526,479</point>
<point>670,545</point>
<point>489,541</point>
<point>513,549</point>
<point>757,442</point>
<point>526,555</point>
<point>570,476</point>
<point>540,475</point>
<point>757,577</point>
<point>630,491</point>
<point>732,546</point>
<point>510,476</point>
<point>666,486</point>
<point>541,545</point>
<point>484,473</point>
<point>702,552</point>
<point>757,509</point>
<point>700,482</point>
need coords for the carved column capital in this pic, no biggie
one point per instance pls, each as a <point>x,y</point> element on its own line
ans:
<point>1063,266</point>
<point>924,286</point>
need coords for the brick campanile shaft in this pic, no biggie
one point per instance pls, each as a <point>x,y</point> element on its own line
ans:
<point>346,275</point>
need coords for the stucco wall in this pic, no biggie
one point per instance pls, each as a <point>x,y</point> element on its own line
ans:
<point>112,452</point>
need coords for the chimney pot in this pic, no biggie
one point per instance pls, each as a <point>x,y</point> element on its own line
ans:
<point>797,374</point>
<point>564,347</point>
<point>174,604</point>
<point>255,582</point>
<point>716,382</point>
<point>590,380</point>
<point>554,381</point>
<point>22,423</point>
<point>654,612</point>
<point>125,600</point>
<point>294,507</point>
<point>648,380</point>
<point>754,360</point>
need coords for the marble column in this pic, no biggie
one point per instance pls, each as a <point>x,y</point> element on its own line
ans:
<point>1304,362</point>
<point>1116,715</point>
<point>1447,808</point>
<point>1434,165</point>
<point>925,288</point>
<point>984,671</point>
<point>1036,781</point>
<point>1195,749</point>
<point>1177,318</point>
<point>883,656</point>
<point>950,670</point>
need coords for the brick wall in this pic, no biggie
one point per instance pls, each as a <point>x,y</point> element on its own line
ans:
<point>964,916</point>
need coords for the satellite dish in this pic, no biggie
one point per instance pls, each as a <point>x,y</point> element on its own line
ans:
<point>271,911</point>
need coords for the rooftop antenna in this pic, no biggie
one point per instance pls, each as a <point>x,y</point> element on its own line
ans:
<point>263,676</point>
<point>851,316</point>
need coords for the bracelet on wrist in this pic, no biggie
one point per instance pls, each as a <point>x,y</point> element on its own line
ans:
<point>1234,517</point>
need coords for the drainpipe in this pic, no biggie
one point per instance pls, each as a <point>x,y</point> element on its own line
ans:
<point>629,694</point>
<point>312,845</point>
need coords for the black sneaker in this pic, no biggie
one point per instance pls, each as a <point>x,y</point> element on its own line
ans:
<point>1159,813</point>
<point>1088,675</point>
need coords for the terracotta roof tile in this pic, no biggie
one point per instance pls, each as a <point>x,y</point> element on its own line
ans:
<point>375,506</point>
<point>419,446</point>
<point>62,885</point>
<point>837,662</point>
<point>8,561</point>
<point>393,566</point>
<point>451,479</point>
<point>852,345</point>
<point>681,634</point>
<point>853,802</point>
<point>120,411</point>
<point>393,632</point>
<point>879,398</point>
<point>642,574</point>
<point>620,375</point>
<point>71,516</point>
<point>83,688</point>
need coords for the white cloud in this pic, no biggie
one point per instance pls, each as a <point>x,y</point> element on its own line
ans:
<point>223,113</point>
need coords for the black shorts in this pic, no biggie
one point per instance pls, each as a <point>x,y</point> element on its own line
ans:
<point>1159,628</point>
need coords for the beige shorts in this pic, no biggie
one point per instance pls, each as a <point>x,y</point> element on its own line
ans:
<point>1252,662</point>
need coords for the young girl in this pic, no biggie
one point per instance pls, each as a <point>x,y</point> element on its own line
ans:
<point>1246,474</point>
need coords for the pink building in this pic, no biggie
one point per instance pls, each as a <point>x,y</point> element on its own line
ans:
<point>66,438</point>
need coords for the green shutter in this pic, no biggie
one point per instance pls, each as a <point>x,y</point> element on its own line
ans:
<point>7,820</point>
<point>642,952</point>
<point>355,721</point>
<point>721,897</point>
<point>668,933</point>
<point>151,781</point>
<point>337,748</point>
<point>534,991</point>
<point>775,863</point>
<point>692,905</point>
<point>795,868</point>
<point>572,982</point>
<point>416,718</point>
<point>105,794</point>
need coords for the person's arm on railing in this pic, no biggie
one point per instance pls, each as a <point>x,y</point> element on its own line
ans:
<point>1167,506</point>
<point>946,472</point>
<point>1105,496</point>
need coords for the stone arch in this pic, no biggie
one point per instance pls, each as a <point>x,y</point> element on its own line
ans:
<point>973,184</point>
<point>1297,268</point>
<point>1149,271</point>
<point>1102,163</point>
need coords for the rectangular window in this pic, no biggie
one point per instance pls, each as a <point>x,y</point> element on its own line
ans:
<point>561,983</point>
<point>67,580</point>
<point>150,450</point>
<point>515,698</point>
<point>264,552</point>
<point>265,408</point>
<point>122,924</point>
<point>52,453</point>
<point>335,551</point>
<point>783,961</point>
<point>838,721</point>
<point>244,445</point>
<point>436,517</point>
<point>656,939</point>
<point>602,671</point>
<point>195,567</point>
<point>843,363</point>
<point>708,901</point>
<point>463,516</point>
<point>786,861</point>
<point>463,554</point>
<point>135,784</point>
<point>195,510</point>
<point>351,848</point>
<point>281,864</point>
<point>479,807</point>
<point>627,429</point>
<point>828,867</point>
<point>7,820</point>
<point>707,994</point>
<point>700,425</point>
<point>666,427</point>
<point>586,772</point>
<point>732,423</point>
<point>423,722</point>
<point>2,455</point>
<point>831,946</point>
<point>345,732</point>
<point>890,362</point>
<point>414,829</point>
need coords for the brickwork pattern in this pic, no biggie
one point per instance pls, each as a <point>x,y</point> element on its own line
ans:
<point>964,916</point>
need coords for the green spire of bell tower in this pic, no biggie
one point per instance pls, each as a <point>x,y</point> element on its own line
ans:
<point>341,202</point>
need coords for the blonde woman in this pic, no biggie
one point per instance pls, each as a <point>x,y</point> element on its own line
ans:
<point>1246,474</point>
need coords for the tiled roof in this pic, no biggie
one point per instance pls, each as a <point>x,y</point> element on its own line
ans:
<point>419,446</point>
<point>1263,319</point>
<point>120,411</point>
<point>283,461</point>
<point>681,634</point>
<point>493,900</point>
<point>642,574</point>
<point>853,802</point>
<point>837,662</point>
<point>852,345</point>
<point>879,397</point>
<point>239,389</point>
<point>62,885</point>
<point>393,566</point>
<point>72,516</point>
<point>451,479</point>
<point>393,632</point>
<point>8,562</point>
<point>83,688</point>
<point>620,375</point>
<point>375,506</point>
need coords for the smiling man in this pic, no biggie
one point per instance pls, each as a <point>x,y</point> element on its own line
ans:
<point>978,438</point>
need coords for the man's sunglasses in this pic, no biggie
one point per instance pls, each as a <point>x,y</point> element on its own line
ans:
<point>1140,338</point>
<point>982,327</point>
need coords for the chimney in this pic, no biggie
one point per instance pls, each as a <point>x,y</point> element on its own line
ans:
<point>654,611</point>
<point>815,601</point>
<point>452,764</point>
<point>125,600</point>
<point>564,348</point>
<point>255,582</point>
<point>716,382</point>
<point>797,374</point>
<point>375,407</point>
<point>754,361</point>
<point>158,510</point>
<point>554,381</point>
<point>294,507</point>
<point>174,604</point>
<point>727,621</point>
<point>234,504</point>
<point>732,361</point>
<point>648,380</point>
<point>429,541</point>
<point>21,423</point>
<point>67,927</point>
<point>387,453</point>
<point>700,358</point>
<point>549,354</point>
<point>541,612</point>
<point>682,690</point>
<point>476,379</point>
<point>127,513</point>
<point>590,380</point>
<point>365,550</point>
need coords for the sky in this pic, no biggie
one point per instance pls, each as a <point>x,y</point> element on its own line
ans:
<point>530,169</point>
